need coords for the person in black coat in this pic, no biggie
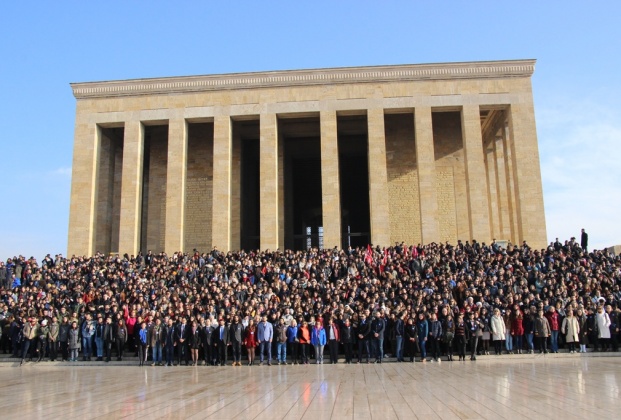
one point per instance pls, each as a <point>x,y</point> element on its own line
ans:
<point>221,339</point>
<point>170,331</point>
<point>378,327</point>
<point>472,328</point>
<point>347,339</point>
<point>584,240</point>
<point>206,337</point>
<point>363,334</point>
<point>183,332</point>
<point>410,335</point>
<point>236,336</point>
<point>109,338</point>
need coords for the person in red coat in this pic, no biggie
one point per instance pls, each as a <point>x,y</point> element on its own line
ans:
<point>250,340</point>
<point>517,329</point>
<point>555,325</point>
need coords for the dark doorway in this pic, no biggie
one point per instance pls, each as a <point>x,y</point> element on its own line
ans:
<point>302,182</point>
<point>248,133</point>
<point>354,180</point>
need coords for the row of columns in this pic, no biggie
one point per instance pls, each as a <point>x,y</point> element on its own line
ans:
<point>271,233</point>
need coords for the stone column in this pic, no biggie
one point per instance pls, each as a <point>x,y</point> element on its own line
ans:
<point>175,185</point>
<point>268,182</point>
<point>476,178</point>
<point>330,183</point>
<point>510,185</point>
<point>492,190</point>
<point>378,178</point>
<point>527,174</point>
<point>131,188</point>
<point>426,164</point>
<point>222,172</point>
<point>83,190</point>
<point>501,185</point>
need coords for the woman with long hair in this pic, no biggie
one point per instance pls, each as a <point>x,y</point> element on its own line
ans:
<point>250,340</point>
<point>460,336</point>
<point>305,336</point>
<point>486,335</point>
<point>194,341</point>
<point>517,329</point>
<point>508,318</point>
<point>142,341</point>
<point>318,340</point>
<point>499,331</point>
<point>583,330</point>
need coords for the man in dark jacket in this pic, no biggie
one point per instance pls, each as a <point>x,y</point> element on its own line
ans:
<point>108,338</point>
<point>221,339</point>
<point>207,338</point>
<point>399,330</point>
<point>378,326</point>
<point>363,333</point>
<point>347,339</point>
<point>236,334</point>
<point>183,332</point>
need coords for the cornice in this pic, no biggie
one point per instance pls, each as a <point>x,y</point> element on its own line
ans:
<point>331,76</point>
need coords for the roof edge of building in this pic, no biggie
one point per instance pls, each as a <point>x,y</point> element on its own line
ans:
<point>308,77</point>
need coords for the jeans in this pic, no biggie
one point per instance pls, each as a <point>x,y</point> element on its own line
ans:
<point>423,348</point>
<point>399,348</point>
<point>87,346</point>
<point>319,353</point>
<point>265,347</point>
<point>554,340</point>
<point>157,353</point>
<point>281,352</point>
<point>517,342</point>
<point>529,340</point>
<point>99,344</point>
<point>509,342</point>
<point>236,347</point>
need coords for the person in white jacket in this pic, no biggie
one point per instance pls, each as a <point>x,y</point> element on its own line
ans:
<point>499,331</point>
<point>571,329</point>
<point>602,323</point>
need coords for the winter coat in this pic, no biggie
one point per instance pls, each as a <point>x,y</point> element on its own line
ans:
<point>318,336</point>
<point>571,329</point>
<point>499,330</point>
<point>74,339</point>
<point>602,322</point>
<point>542,327</point>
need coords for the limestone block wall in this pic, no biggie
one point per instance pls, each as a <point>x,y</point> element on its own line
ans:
<point>403,194</point>
<point>199,188</point>
<point>450,176</point>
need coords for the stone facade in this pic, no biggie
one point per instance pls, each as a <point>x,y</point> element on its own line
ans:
<point>451,151</point>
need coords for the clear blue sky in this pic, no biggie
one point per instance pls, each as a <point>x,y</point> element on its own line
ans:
<point>46,45</point>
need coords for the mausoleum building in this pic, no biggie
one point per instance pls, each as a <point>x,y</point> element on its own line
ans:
<point>293,159</point>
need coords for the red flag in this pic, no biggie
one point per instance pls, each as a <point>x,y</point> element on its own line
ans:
<point>414,252</point>
<point>368,256</point>
<point>384,261</point>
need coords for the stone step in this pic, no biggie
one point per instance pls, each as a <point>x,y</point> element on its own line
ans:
<point>8,360</point>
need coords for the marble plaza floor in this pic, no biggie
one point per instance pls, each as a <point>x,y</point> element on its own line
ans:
<point>565,388</point>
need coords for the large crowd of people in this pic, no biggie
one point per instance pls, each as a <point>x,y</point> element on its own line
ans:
<point>426,302</point>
